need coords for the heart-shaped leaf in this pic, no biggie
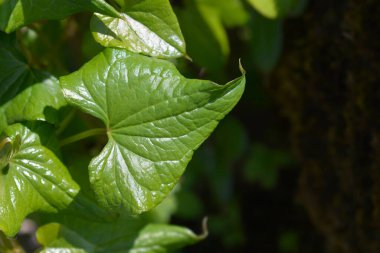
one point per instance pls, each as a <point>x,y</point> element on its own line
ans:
<point>32,179</point>
<point>25,94</point>
<point>155,119</point>
<point>149,27</point>
<point>17,13</point>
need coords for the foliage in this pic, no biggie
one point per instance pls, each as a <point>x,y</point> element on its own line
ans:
<point>153,117</point>
<point>99,124</point>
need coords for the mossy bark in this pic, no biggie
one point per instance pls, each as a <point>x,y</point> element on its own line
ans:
<point>328,85</point>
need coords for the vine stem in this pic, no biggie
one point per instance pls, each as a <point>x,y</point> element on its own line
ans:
<point>82,135</point>
<point>66,121</point>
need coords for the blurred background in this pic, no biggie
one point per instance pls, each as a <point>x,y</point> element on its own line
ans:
<point>295,167</point>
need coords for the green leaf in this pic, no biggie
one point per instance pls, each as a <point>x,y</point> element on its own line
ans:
<point>155,119</point>
<point>32,179</point>
<point>266,42</point>
<point>17,13</point>
<point>128,236</point>
<point>25,94</point>
<point>274,8</point>
<point>149,27</point>
<point>232,12</point>
<point>206,38</point>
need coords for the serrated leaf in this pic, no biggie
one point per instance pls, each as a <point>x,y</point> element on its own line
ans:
<point>32,179</point>
<point>274,8</point>
<point>25,94</point>
<point>155,119</point>
<point>149,27</point>
<point>118,237</point>
<point>17,13</point>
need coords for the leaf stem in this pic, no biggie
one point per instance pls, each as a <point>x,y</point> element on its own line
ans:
<point>66,122</point>
<point>82,135</point>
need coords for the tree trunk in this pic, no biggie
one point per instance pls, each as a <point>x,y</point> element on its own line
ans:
<point>328,85</point>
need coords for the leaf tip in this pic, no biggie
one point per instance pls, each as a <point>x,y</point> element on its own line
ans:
<point>187,57</point>
<point>242,70</point>
<point>204,233</point>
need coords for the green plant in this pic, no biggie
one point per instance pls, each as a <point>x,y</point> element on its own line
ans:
<point>153,119</point>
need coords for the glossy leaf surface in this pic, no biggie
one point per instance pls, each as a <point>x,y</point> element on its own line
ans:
<point>155,119</point>
<point>118,237</point>
<point>25,94</point>
<point>32,179</point>
<point>17,13</point>
<point>149,27</point>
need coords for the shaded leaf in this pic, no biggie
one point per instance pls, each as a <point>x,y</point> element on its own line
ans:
<point>25,94</point>
<point>264,164</point>
<point>149,27</point>
<point>128,236</point>
<point>32,179</point>
<point>232,12</point>
<point>17,13</point>
<point>266,43</point>
<point>155,119</point>
<point>206,38</point>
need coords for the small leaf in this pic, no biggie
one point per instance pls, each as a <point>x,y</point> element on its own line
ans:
<point>155,119</point>
<point>32,179</point>
<point>149,27</point>
<point>17,13</point>
<point>25,94</point>
<point>129,236</point>
<point>274,8</point>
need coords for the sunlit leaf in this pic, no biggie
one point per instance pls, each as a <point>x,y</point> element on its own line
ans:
<point>149,27</point>
<point>17,13</point>
<point>32,179</point>
<point>155,119</point>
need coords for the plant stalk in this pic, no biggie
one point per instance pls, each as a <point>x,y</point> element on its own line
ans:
<point>82,135</point>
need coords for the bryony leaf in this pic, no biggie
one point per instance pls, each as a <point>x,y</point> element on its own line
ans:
<point>25,94</point>
<point>155,119</point>
<point>149,27</point>
<point>32,179</point>
<point>17,13</point>
<point>126,237</point>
